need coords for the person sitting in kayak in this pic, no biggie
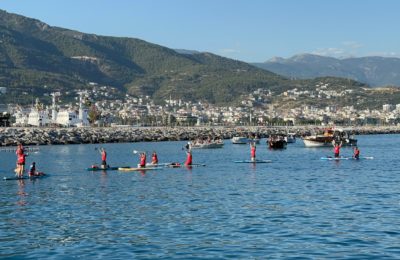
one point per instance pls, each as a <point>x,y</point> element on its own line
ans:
<point>33,172</point>
<point>356,154</point>
<point>142,163</point>
<point>189,157</point>
<point>103,158</point>
<point>154,158</point>
<point>336,150</point>
<point>252,151</point>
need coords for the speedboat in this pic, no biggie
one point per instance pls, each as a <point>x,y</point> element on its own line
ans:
<point>319,140</point>
<point>290,138</point>
<point>240,140</point>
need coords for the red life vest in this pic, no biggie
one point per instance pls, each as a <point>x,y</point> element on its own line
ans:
<point>356,152</point>
<point>336,150</point>
<point>21,158</point>
<point>253,151</point>
<point>103,156</point>
<point>154,159</point>
<point>143,161</point>
<point>189,159</point>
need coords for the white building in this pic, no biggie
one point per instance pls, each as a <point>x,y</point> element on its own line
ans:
<point>38,117</point>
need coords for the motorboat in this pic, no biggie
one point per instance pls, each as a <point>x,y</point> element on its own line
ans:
<point>240,140</point>
<point>344,137</point>
<point>207,144</point>
<point>290,138</point>
<point>276,142</point>
<point>319,140</point>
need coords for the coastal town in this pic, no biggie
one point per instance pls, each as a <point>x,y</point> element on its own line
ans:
<point>102,106</point>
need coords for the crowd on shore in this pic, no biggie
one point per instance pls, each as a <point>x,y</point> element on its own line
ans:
<point>11,136</point>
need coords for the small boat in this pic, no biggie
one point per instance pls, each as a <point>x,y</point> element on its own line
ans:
<point>290,138</point>
<point>319,140</point>
<point>240,140</point>
<point>276,142</point>
<point>245,140</point>
<point>207,144</point>
<point>344,137</point>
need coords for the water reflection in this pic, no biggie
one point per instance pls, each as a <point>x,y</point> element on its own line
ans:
<point>21,193</point>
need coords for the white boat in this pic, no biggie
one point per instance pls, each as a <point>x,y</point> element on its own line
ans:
<point>319,140</point>
<point>207,145</point>
<point>290,138</point>
<point>240,140</point>
<point>245,140</point>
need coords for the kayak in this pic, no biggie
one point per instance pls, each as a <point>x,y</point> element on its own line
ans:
<point>346,158</point>
<point>105,169</point>
<point>24,178</point>
<point>131,169</point>
<point>256,161</point>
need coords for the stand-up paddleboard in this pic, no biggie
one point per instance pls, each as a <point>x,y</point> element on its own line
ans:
<point>25,177</point>
<point>159,164</point>
<point>346,158</point>
<point>105,169</point>
<point>256,161</point>
<point>180,165</point>
<point>131,169</point>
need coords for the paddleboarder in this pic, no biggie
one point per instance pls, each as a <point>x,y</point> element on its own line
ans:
<point>336,150</point>
<point>252,151</point>
<point>142,163</point>
<point>189,157</point>
<point>356,154</point>
<point>103,158</point>
<point>154,158</point>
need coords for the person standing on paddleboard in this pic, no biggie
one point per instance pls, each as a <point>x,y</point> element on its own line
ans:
<point>356,154</point>
<point>142,163</point>
<point>252,151</point>
<point>103,158</point>
<point>336,150</point>
<point>189,158</point>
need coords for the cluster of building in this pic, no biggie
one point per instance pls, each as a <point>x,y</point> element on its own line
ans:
<point>257,108</point>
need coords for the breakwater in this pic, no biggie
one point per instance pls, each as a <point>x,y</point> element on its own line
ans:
<point>11,136</point>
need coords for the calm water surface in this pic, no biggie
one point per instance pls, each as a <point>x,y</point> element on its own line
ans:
<point>295,207</point>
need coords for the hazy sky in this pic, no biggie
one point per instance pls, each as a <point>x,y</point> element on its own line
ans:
<point>247,30</point>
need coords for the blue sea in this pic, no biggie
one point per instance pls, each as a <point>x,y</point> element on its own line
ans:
<point>298,206</point>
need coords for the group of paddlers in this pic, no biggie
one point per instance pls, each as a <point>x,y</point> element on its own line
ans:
<point>21,159</point>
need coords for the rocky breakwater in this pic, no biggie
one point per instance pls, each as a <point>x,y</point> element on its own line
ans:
<point>43,136</point>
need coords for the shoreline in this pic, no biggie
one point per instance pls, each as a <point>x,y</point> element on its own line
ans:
<point>11,136</point>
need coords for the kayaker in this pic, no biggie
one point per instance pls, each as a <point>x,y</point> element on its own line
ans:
<point>336,150</point>
<point>154,158</point>
<point>356,154</point>
<point>189,157</point>
<point>142,163</point>
<point>103,158</point>
<point>252,151</point>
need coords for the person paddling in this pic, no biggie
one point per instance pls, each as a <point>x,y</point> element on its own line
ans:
<point>253,151</point>
<point>103,158</point>
<point>142,163</point>
<point>189,158</point>
<point>154,158</point>
<point>356,154</point>
<point>33,172</point>
<point>336,150</point>
<point>21,165</point>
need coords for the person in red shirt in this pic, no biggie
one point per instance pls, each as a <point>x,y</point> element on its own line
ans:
<point>21,165</point>
<point>252,151</point>
<point>189,157</point>
<point>103,158</point>
<point>142,163</point>
<point>154,158</point>
<point>356,154</point>
<point>336,150</point>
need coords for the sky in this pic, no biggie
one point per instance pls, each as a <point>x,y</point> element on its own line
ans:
<point>246,30</point>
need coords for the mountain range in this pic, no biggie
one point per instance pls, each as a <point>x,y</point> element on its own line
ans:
<point>374,71</point>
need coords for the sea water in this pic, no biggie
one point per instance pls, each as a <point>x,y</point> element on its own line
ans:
<point>298,206</point>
